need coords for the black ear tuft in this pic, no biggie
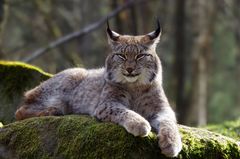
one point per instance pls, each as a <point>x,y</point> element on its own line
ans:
<point>111,34</point>
<point>155,33</point>
<point>108,29</point>
<point>158,30</point>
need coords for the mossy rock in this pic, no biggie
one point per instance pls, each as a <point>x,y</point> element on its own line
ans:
<point>15,78</point>
<point>75,136</point>
<point>228,128</point>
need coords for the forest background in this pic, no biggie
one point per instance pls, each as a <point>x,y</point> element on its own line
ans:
<point>199,47</point>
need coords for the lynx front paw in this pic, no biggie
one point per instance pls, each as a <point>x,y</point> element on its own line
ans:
<point>170,141</point>
<point>138,127</point>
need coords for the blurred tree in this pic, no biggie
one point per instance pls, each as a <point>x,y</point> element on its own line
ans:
<point>144,19</point>
<point>133,20</point>
<point>236,10</point>
<point>3,18</point>
<point>46,9</point>
<point>180,62</point>
<point>203,22</point>
<point>118,20</point>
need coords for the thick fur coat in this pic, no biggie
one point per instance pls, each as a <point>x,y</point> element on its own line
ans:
<point>127,91</point>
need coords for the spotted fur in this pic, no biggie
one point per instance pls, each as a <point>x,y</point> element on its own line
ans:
<point>127,91</point>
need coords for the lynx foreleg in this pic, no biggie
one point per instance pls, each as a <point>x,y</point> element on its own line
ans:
<point>130,120</point>
<point>165,124</point>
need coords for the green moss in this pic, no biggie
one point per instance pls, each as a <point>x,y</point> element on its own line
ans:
<point>229,128</point>
<point>76,137</point>
<point>201,143</point>
<point>23,65</point>
<point>15,78</point>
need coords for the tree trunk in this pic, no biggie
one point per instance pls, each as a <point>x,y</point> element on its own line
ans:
<point>237,39</point>
<point>3,17</point>
<point>144,10</point>
<point>180,62</point>
<point>203,23</point>
<point>238,64</point>
<point>2,2</point>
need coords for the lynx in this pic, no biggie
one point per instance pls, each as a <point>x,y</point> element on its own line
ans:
<point>127,91</point>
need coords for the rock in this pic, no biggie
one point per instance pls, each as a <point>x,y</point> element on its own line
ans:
<point>15,78</point>
<point>78,136</point>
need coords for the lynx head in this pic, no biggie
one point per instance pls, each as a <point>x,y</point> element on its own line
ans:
<point>133,58</point>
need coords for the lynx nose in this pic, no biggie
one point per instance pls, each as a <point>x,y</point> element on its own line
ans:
<point>129,70</point>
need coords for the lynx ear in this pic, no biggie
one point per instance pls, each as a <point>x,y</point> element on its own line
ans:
<point>155,34</point>
<point>112,36</point>
<point>154,37</point>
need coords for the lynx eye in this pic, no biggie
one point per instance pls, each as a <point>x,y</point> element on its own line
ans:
<point>121,56</point>
<point>140,56</point>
